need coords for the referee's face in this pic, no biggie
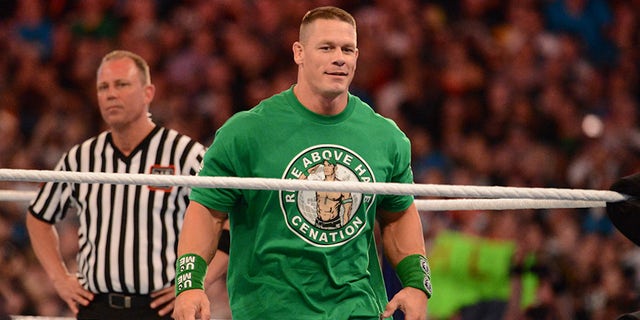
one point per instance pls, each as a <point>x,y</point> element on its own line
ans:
<point>122,96</point>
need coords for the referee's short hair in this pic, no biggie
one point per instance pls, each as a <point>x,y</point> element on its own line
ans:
<point>140,63</point>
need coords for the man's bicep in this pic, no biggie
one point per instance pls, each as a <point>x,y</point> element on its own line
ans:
<point>390,210</point>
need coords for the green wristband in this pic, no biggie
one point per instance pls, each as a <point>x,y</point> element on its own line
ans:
<point>414,272</point>
<point>191,270</point>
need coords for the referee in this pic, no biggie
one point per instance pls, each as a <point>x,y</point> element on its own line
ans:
<point>128,233</point>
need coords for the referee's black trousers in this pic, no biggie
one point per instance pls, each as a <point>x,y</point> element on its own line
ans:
<point>112,306</point>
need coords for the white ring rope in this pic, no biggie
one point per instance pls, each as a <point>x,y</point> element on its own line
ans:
<point>422,205</point>
<point>503,204</point>
<point>17,195</point>
<point>286,184</point>
<point>492,192</point>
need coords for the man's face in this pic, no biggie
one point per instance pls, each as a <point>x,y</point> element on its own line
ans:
<point>329,168</point>
<point>327,56</point>
<point>122,97</point>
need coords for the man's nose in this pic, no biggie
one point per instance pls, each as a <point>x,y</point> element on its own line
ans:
<point>339,58</point>
<point>110,92</point>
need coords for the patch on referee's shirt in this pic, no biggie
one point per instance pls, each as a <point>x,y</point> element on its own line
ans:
<point>163,170</point>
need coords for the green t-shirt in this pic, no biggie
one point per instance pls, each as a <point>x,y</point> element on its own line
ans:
<point>305,255</point>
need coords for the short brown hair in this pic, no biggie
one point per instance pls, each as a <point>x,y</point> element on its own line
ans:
<point>328,12</point>
<point>141,64</point>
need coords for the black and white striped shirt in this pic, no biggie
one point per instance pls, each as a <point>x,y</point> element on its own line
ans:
<point>128,234</point>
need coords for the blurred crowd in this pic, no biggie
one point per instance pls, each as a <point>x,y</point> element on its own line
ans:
<point>522,93</point>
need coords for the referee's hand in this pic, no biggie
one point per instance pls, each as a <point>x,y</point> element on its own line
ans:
<point>164,300</point>
<point>192,304</point>
<point>72,292</point>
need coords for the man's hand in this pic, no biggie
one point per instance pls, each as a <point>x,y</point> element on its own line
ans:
<point>72,292</point>
<point>163,298</point>
<point>412,301</point>
<point>192,304</point>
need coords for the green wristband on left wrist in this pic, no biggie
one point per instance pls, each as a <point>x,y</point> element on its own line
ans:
<point>414,272</point>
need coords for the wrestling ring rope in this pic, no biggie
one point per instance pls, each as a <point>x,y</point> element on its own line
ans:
<point>472,197</point>
<point>483,197</point>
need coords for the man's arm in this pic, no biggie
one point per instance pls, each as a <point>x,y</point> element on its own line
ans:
<point>200,234</point>
<point>347,202</point>
<point>401,233</point>
<point>46,246</point>
<point>217,270</point>
<point>402,236</point>
<point>216,281</point>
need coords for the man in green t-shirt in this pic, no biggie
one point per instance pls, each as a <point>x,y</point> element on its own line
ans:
<point>289,257</point>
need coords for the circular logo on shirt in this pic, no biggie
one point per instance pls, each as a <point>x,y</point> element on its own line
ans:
<point>326,218</point>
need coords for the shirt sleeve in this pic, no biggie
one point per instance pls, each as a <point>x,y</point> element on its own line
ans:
<point>53,199</point>
<point>402,173</point>
<point>220,160</point>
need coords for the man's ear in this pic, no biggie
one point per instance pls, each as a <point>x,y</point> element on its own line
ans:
<point>149,92</point>
<point>297,49</point>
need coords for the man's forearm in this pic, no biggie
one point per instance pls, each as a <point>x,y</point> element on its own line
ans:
<point>402,235</point>
<point>200,231</point>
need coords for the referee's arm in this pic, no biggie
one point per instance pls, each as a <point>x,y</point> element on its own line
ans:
<point>46,246</point>
<point>200,235</point>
